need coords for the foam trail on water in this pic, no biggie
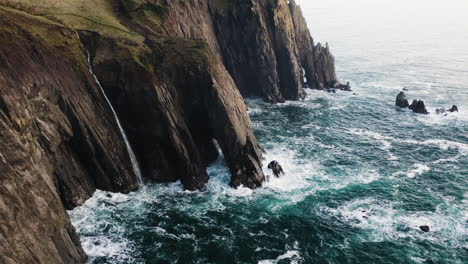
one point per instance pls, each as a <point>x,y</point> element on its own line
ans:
<point>131,154</point>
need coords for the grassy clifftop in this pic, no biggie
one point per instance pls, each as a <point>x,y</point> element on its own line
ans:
<point>103,16</point>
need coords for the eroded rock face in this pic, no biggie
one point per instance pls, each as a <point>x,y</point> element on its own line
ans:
<point>265,46</point>
<point>58,141</point>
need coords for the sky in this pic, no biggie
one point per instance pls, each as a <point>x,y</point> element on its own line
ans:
<point>409,19</point>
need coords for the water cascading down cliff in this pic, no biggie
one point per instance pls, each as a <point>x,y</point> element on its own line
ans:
<point>162,82</point>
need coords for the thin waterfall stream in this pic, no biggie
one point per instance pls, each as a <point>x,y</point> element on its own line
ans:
<point>133,159</point>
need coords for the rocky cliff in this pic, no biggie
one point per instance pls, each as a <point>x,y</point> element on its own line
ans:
<point>175,73</point>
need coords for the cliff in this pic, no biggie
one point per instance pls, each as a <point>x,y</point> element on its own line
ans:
<point>175,73</point>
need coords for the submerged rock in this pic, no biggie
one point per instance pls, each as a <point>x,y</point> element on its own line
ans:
<point>401,100</point>
<point>440,110</point>
<point>453,109</point>
<point>343,87</point>
<point>418,107</point>
<point>424,228</point>
<point>276,168</point>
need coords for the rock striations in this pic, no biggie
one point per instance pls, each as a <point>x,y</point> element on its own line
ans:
<point>175,73</point>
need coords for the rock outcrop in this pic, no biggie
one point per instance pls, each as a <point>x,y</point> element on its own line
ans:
<point>266,45</point>
<point>175,72</point>
<point>401,100</point>
<point>424,228</point>
<point>418,106</point>
<point>453,109</point>
<point>276,168</point>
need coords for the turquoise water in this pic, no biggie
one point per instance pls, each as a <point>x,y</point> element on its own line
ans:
<point>361,175</point>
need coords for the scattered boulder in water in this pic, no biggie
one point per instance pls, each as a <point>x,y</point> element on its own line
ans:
<point>401,100</point>
<point>109,195</point>
<point>424,228</point>
<point>453,109</point>
<point>405,89</point>
<point>440,110</point>
<point>276,168</point>
<point>343,87</point>
<point>418,107</point>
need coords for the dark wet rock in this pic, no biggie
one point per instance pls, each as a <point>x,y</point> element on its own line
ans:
<point>276,168</point>
<point>405,89</point>
<point>418,107</point>
<point>109,195</point>
<point>424,228</point>
<point>453,109</point>
<point>343,87</point>
<point>401,100</point>
<point>440,110</point>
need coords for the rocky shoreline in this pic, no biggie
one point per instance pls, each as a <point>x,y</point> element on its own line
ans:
<point>176,73</point>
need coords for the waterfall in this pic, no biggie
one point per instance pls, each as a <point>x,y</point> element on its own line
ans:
<point>135,165</point>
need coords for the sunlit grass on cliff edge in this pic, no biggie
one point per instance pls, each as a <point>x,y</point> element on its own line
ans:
<point>90,15</point>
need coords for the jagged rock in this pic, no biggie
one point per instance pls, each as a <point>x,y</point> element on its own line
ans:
<point>401,100</point>
<point>418,107</point>
<point>453,109</point>
<point>325,65</point>
<point>440,110</point>
<point>276,168</point>
<point>424,228</point>
<point>305,44</point>
<point>343,87</point>
<point>277,34</point>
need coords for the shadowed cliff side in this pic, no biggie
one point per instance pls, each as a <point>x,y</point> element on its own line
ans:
<point>59,141</point>
<point>266,45</point>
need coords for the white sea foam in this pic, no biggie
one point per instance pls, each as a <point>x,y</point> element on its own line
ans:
<point>442,144</point>
<point>297,172</point>
<point>292,255</point>
<point>418,170</point>
<point>384,141</point>
<point>383,220</point>
<point>101,246</point>
<point>443,119</point>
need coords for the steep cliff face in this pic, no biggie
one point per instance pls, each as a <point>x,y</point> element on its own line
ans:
<point>268,49</point>
<point>175,101</point>
<point>318,62</point>
<point>59,141</point>
<point>173,70</point>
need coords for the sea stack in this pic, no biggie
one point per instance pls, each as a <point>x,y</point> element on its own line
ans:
<point>418,107</point>
<point>401,100</point>
<point>453,109</point>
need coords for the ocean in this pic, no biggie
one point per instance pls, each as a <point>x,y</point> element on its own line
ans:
<point>361,174</point>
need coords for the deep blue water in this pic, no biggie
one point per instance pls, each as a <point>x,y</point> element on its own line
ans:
<point>361,175</point>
